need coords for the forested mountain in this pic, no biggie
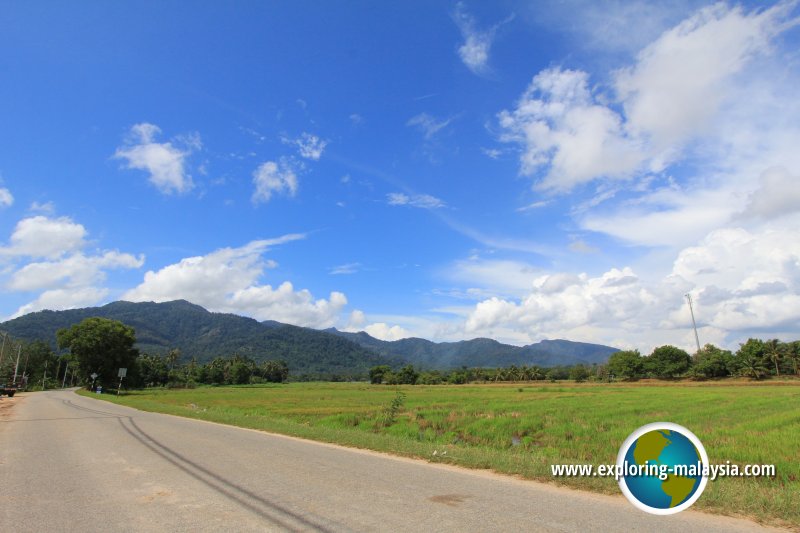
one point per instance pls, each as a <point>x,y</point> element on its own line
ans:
<point>483,352</point>
<point>204,335</point>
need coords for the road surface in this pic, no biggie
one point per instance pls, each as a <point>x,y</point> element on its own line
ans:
<point>69,463</point>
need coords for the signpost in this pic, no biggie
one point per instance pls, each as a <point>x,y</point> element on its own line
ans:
<point>93,375</point>
<point>122,373</point>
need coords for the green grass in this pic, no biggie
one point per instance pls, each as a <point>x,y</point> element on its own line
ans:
<point>522,429</point>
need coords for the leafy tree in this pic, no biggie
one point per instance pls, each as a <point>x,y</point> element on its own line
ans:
<point>627,365</point>
<point>668,362</point>
<point>377,373</point>
<point>712,362</point>
<point>407,375</point>
<point>579,373</point>
<point>101,345</point>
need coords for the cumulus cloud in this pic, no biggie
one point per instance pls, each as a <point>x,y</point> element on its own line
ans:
<point>75,271</point>
<point>745,283</point>
<point>164,162</point>
<point>778,194</point>
<point>41,236</point>
<point>570,133</point>
<point>228,280</point>
<point>562,129</point>
<point>423,201</point>
<point>679,81</point>
<point>58,299</point>
<point>308,146</point>
<point>6,199</point>
<point>274,178</point>
<point>385,332</point>
<point>477,43</point>
<point>49,255</point>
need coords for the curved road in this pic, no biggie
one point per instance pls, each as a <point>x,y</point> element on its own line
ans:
<point>69,463</point>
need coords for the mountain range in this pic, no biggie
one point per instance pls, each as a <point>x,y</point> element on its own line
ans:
<point>204,335</point>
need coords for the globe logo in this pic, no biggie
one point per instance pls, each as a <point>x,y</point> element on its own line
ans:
<point>662,468</point>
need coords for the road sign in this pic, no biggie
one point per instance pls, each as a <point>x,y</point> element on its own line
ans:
<point>122,372</point>
<point>93,375</point>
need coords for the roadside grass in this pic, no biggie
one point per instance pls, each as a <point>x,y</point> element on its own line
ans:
<point>523,428</point>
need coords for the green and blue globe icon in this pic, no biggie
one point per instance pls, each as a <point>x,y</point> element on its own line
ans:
<point>662,465</point>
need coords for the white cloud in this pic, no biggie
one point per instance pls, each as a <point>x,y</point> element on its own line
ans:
<point>535,205</point>
<point>41,236</point>
<point>48,254</point>
<point>59,299</point>
<point>778,194</point>
<point>424,201</point>
<point>272,178</point>
<point>47,208</point>
<point>309,146</point>
<point>428,125</point>
<point>745,283</point>
<point>284,304</point>
<point>74,271</point>
<point>685,70</point>
<point>165,162</point>
<point>477,43</point>
<point>561,128</point>
<point>349,268</point>
<point>384,332</point>
<point>6,199</point>
<point>227,280</point>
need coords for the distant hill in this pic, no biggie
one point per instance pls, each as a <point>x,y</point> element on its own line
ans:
<point>483,352</point>
<point>205,335</point>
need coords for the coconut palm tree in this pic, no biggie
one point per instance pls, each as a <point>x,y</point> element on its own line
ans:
<point>753,368</point>
<point>773,351</point>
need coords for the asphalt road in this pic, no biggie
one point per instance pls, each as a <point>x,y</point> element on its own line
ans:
<point>69,463</point>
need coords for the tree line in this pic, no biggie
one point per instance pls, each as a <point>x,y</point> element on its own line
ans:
<point>755,359</point>
<point>102,346</point>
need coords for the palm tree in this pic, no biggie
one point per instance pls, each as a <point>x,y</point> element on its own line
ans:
<point>792,353</point>
<point>774,350</point>
<point>753,368</point>
<point>536,373</point>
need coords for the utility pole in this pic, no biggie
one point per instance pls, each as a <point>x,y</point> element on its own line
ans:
<point>44,378</point>
<point>64,382</point>
<point>694,324</point>
<point>19,352</point>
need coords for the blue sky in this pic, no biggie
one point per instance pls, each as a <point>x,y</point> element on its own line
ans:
<point>446,170</point>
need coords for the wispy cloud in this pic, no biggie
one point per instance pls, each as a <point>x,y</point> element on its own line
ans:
<point>424,201</point>
<point>6,199</point>
<point>428,125</point>
<point>477,43</point>
<point>309,146</point>
<point>349,268</point>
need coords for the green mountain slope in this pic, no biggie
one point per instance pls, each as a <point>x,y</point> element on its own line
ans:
<point>483,352</point>
<point>205,335</point>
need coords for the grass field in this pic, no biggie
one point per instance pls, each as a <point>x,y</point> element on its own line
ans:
<point>523,428</point>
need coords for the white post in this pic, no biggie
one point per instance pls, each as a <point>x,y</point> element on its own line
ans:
<point>19,352</point>
<point>694,324</point>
